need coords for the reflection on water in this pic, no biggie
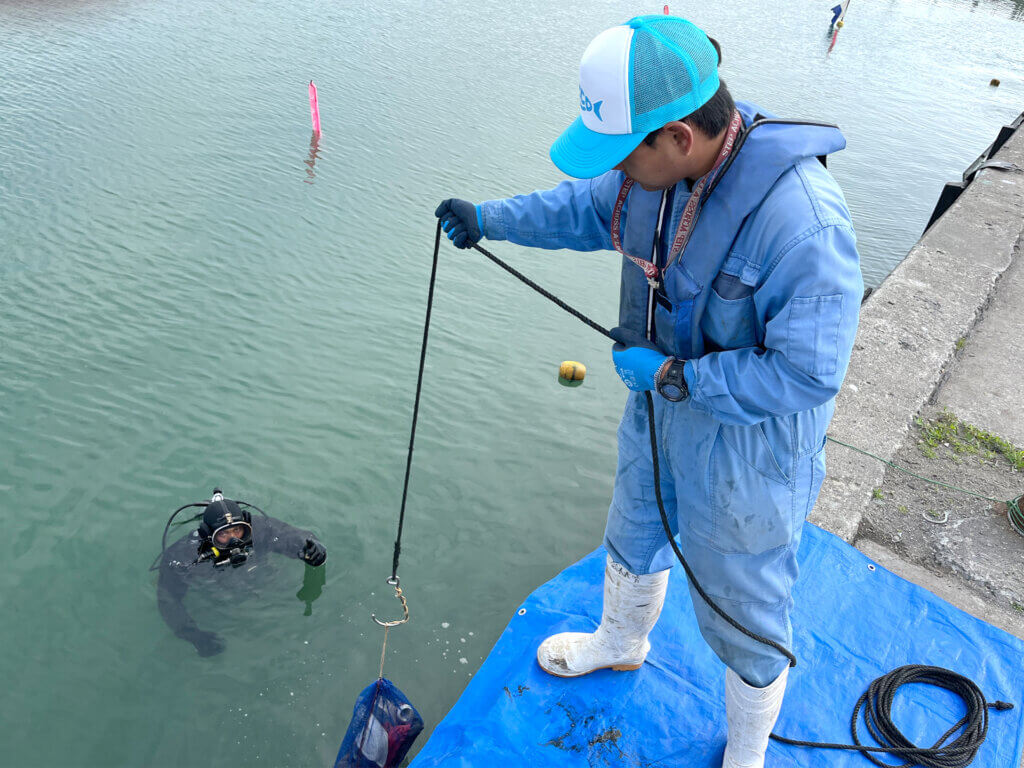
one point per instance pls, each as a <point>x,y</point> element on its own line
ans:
<point>311,158</point>
<point>313,581</point>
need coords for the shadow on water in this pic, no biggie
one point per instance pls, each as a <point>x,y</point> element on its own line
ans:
<point>314,154</point>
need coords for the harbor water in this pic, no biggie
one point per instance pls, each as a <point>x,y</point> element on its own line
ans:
<point>194,293</point>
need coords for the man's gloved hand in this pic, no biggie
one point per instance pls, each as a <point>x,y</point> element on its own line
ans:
<point>638,361</point>
<point>207,643</point>
<point>313,553</point>
<point>461,220</point>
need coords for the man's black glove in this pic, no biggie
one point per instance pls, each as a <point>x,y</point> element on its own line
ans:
<point>461,220</point>
<point>207,643</point>
<point>313,553</point>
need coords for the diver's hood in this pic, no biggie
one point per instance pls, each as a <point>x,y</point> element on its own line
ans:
<point>220,515</point>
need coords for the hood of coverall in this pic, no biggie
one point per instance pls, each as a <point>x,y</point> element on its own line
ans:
<point>770,147</point>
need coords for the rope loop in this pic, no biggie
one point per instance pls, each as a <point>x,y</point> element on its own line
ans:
<point>875,708</point>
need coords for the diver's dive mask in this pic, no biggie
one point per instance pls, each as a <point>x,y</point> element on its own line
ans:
<point>225,535</point>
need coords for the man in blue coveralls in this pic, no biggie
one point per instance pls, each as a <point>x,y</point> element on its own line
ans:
<point>739,298</point>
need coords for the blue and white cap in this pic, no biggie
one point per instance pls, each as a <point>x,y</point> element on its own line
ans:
<point>634,78</point>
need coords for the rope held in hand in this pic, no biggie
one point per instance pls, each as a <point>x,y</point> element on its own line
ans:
<point>679,555</point>
<point>416,405</point>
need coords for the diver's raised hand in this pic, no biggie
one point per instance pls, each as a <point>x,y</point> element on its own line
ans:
<point>313,553</point>
<point>461,220</point>
<point>207,643</point>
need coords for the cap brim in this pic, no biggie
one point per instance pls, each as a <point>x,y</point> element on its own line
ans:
<point>584,154</point>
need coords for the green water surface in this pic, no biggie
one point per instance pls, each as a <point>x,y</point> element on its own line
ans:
<point>192,295</point>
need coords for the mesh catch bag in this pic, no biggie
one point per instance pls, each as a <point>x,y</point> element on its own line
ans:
<point>384,726</point>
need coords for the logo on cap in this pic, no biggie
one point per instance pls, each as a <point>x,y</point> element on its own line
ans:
<point>588,106</point>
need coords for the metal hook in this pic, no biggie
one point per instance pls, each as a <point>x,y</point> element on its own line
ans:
<point>394,582</point>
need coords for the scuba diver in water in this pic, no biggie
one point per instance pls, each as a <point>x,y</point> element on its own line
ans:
<point>229,541</point>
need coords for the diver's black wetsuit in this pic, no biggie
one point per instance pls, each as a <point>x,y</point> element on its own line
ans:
<point>178,570</point>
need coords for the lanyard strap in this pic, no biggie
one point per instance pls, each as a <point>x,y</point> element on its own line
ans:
<point>690,212</point>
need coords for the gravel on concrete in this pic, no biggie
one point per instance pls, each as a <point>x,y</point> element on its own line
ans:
<point>949,532</point>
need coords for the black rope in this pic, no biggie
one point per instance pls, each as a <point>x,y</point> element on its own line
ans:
<point>876,706</point>
<point>547,295</point>
<point>679,555</point>
<point>876,702</point>
<point>416,405</point>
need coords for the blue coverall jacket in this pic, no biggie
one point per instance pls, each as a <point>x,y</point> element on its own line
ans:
<point>763,305</point>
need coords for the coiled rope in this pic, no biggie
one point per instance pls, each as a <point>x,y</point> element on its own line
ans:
<point>875,704</point>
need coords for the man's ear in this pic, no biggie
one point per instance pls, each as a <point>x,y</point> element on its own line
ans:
<point>681,135</point>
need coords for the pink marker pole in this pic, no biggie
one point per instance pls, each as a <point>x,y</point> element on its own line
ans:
<point>666,11</point>
<point>314,108</point>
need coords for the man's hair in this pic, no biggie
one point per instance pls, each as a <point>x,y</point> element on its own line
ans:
<point>714,116</point>
<point>711,119</point>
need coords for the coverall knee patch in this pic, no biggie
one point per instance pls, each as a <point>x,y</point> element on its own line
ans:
<point>748,658</point>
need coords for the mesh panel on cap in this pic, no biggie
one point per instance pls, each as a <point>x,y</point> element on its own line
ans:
<point>660,75</point>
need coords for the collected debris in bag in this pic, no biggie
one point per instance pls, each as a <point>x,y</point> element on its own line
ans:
<point>384,726</point>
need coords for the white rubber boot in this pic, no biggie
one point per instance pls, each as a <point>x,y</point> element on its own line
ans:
<point>632,605</point>
<point>751,714</point>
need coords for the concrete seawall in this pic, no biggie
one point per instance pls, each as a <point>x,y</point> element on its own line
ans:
<point>928,339</point>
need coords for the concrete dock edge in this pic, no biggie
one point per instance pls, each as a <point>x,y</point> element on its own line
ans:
<point>910,329</point>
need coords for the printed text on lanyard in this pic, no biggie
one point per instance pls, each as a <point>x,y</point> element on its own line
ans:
<point>690,212</point>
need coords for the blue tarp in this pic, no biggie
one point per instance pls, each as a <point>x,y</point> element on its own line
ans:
<point>854,621</point>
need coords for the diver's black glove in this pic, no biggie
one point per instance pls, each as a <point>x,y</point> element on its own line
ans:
<point>313,553</point>
<point>207,643</point>
<point>461,220</point>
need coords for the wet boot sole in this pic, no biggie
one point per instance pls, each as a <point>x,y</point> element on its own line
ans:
<point>613,667</point>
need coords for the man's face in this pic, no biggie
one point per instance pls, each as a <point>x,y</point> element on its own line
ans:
<point>224,536</point>
<point>667,162</point>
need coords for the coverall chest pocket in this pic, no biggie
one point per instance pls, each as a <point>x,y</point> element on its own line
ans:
<point>729,318</point>
<point>673,311</point>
